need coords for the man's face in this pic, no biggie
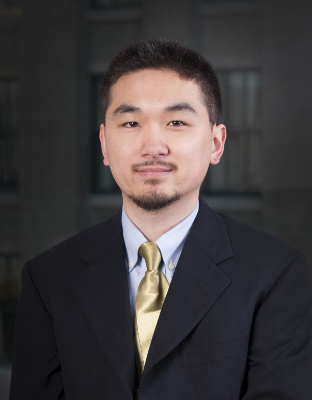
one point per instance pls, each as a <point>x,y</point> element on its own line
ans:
<point>158,140</point>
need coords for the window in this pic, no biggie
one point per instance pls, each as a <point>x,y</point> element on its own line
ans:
<point>8,133</point>
<point>239,169</point>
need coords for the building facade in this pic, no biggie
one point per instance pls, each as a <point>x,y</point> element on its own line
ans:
<point>52,58</point>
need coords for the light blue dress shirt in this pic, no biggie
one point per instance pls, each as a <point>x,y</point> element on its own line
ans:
<point>170,245</point>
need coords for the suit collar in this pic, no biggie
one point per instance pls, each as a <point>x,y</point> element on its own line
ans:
<point>210,232</point>
<point>103,293</point>
<point>196,285</point>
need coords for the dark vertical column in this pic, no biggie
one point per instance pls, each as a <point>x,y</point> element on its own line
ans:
<point>287,139</point>
<point>50,123</point>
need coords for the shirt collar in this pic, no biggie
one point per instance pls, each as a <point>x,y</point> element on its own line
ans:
<point>170,244</point>
<point>133,238</point>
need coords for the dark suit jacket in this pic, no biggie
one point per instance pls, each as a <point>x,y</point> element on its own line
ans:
<point>236,322</point>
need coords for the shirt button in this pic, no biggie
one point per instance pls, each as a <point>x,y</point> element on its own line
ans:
<point>171,266</point>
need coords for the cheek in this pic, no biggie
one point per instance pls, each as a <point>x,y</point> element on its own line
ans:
<point>120,161</point>
<point>199,154</point>
<point>117,152</point>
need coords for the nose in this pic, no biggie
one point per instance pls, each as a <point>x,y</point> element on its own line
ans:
<point>154,144</point>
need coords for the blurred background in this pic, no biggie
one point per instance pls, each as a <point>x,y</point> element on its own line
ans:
<point>52,58</point>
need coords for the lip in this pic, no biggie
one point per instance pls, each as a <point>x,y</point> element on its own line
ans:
<point>153,172</point>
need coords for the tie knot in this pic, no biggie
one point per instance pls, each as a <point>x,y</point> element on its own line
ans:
<point>151,254</point>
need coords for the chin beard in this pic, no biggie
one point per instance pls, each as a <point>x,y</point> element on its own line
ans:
<point>154,201</point>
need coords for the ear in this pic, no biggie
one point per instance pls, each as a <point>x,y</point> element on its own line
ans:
<point>103,144</point>
<point>218,140</point>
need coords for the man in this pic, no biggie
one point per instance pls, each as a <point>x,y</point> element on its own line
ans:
<point>166,300</point>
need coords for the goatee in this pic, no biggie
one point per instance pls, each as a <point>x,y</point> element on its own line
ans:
<point>154,201</point>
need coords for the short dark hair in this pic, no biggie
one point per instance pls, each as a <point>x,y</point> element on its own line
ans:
<point>164,55</point>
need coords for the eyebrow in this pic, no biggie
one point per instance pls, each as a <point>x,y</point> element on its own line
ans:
<point>125,108</point>
<point>181,107</point>
<point>128,108</point>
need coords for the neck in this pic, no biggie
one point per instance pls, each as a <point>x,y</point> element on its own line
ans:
<point>154,224</point>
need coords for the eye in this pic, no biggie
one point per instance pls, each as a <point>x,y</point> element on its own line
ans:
<point>177,123</point>
<point>131,124</point>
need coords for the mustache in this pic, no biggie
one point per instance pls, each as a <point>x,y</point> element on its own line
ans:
<point>167,164</point>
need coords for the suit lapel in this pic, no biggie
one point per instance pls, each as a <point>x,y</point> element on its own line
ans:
<point>103,294</point>
<point>196,285</point>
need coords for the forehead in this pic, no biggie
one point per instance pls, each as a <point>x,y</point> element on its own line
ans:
<point>155,85</point>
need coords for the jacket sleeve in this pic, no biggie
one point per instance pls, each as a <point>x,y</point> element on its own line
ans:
<point>280,351</point>
<point>36,370</point>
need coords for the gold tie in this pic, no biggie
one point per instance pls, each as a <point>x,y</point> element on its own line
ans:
<point>150,297</point>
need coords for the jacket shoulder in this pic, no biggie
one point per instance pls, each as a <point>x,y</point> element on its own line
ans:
<point>90,241</point>
<point>252,243</point>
